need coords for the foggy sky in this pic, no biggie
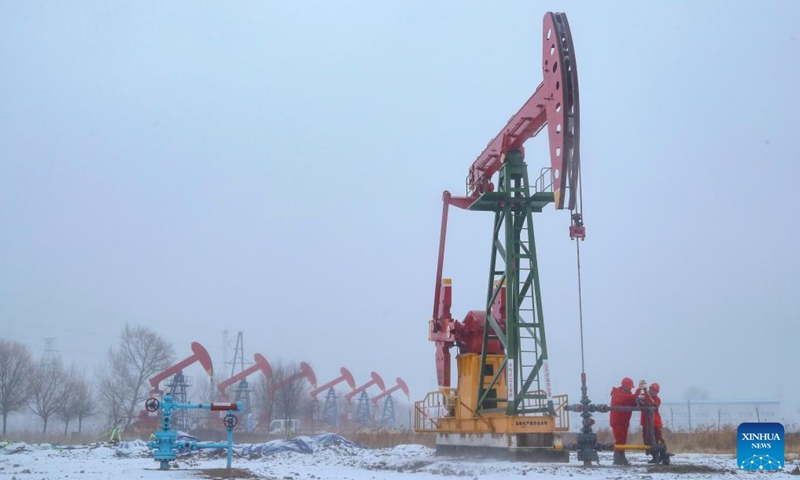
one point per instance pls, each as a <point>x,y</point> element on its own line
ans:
<point>276,168</point>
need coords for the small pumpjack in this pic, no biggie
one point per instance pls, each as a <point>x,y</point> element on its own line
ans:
<point>587,445</point>
<point>166,442</point>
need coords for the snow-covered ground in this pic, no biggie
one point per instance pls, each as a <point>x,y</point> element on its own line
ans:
<point>341,462</point>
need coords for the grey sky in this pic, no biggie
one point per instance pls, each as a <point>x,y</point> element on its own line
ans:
<point>277,168</point>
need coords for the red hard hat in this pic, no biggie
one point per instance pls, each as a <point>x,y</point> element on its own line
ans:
<point>627,382</point>
<point>655,387</point>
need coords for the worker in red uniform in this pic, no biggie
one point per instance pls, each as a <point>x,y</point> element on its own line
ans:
<point>622,396</point>
<point>651,398</point>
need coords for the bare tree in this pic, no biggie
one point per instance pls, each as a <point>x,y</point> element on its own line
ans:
<point>48,389</point>
<point>83,398</point>
<point>15,370</point>
<point>76,404</point>
<point>112,395</point>
<point>204,392</point>
<point>140,355</point>
<point>264,402</point>
<point>65,411</point>
<point>693,393</point>
<point>290,393</point>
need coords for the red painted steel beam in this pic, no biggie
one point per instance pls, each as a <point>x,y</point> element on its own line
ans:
<point>376,380</point>
<point>305,371</point>
<point>401,385</point>
<point>522,126</point>
<point>346,376</point>
<point>199,355</point>
<point>220,407</point>
<point>260,364</point>
<point>555,104</point>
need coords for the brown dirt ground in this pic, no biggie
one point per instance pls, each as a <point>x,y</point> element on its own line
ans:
<point>687,469</point>
<point>225,473</point>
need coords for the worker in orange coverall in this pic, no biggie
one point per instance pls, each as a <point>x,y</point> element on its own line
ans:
<point>651,398</point>
<point>622,396</point>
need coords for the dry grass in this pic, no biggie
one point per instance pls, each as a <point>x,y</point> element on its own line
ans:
<point>697,441</point>
<point>50,437</point>
<point>720,441</point>
<point>388,439</point>
<point>703,440</point>
<point>367,438</point>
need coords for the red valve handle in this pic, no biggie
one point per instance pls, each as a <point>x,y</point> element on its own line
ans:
<point>230,420</point>
<point>152,404</point>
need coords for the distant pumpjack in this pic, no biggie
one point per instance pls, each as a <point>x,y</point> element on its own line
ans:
<point>305,372</point>
<point>388,419</point>
<point>362,415</point>
<point>330,411</point>
<point>177,387</point>
<point>243,387</point>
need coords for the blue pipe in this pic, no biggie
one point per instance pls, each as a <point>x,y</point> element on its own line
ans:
<point>165,444</point>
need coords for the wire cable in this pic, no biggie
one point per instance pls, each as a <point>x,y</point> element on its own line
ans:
<point>578,258</point>
<point>580,300</point>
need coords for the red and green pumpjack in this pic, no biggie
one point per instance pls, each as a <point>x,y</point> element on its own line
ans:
<point>502,403</point>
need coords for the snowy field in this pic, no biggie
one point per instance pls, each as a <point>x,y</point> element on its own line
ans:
<point>342,462</point>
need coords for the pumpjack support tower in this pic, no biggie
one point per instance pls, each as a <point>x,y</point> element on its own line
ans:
<point>330,411</point>
<point>387,418</point>
<point>503,403</point>
<point>179,382</point>
<point>243,389</point>
<point>362,416</point>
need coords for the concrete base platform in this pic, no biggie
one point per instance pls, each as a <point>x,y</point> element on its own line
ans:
<point>522,447</point>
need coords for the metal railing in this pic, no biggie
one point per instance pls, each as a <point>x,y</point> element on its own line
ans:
<point>435,406</point>
<point>429,411</point>
<point>544,183</point>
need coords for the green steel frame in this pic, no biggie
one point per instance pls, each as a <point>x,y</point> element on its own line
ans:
<point>514,265</point>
